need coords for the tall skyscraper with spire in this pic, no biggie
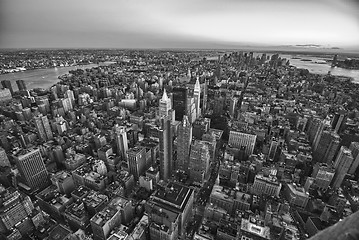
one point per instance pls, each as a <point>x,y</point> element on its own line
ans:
<point>197,97</point>
<point>184,143</point>
<point>164,105</point>
<point>166,141</point>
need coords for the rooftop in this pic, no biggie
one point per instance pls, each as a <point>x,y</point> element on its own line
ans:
<point>173,194</point>
<point>297,190</point>
<point>81,192</point>
<point>95,199</point>
<point>59,233</point>
<point>102,217</point>
<point>77,209</point>
<point>250,225</point>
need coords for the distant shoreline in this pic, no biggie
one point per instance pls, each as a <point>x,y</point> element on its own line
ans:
<point>28,69</point>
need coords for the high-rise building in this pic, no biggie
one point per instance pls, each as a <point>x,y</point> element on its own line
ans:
<point>4,160</point>
<point>164,105</point>
<point>197,97</point>
<point>205,93</point>
<point>184,139</point>
<point>191,109</point>
<point>179,101</point>
<point>322,127</point>
<point>313,127</point>
<point>166,141</point>
<point>218,108</point>
<point>21,85</point>
<point>200,127</point>
<point>199,161</point>
<point>354,147</point>
<point>323,175</point>
<point>137,161</point>
<point>32,168</point>
<point>238,140</point>
<point>169,210</point>
<point>274,144</point>
<point>43,128</point>
<point>338,121</point>
<point>7,84</point>
<point>342,165</point>
<point>15,214</point>
<point>121,141</point>
<point>327,147</point>
<point>232,106</point>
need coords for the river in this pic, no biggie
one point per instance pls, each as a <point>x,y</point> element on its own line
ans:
<point>320,68</point>
<point>43,78</point>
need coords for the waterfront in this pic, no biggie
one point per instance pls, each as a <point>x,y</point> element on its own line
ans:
<point>43,78</point>
<point>320,68</point>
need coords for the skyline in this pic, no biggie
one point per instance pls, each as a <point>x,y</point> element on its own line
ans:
<point>172,24</point>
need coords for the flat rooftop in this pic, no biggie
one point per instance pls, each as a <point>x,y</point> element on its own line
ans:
<point>174,194</point>
<point>102,217</point>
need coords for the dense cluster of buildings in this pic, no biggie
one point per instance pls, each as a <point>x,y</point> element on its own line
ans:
<point>171,145</point>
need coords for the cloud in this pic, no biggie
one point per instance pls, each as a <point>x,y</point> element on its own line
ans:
<point>140,23</point>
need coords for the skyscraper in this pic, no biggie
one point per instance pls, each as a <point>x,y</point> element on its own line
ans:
<point>164,105</point>
<point>199,161</point>
<point>323,175</point>
<point>165,136</point>
<point>121,141</point>
<point>197,97</point>
<point>342,165</point>
<point>184,139</point>
<point>338,121</point>
<point>327,147</point>
<point>43,128</point>
<point>205,93</point>
<point>322,127</point>
<point>137,161</point>
<point>238,139</point>
<point>179,101</point>
<point>32,168</point>
<point>15,214</point>
<point>7,84</point>
<point>21,85</point>
<point>191,109</point>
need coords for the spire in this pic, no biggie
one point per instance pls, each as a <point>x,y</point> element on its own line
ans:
<point>197,85</point>
<point>164,96</point>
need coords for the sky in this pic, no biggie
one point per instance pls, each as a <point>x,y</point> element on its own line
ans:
<point>178,24</point>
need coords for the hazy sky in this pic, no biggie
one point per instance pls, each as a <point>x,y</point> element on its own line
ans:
<point>182,23</point>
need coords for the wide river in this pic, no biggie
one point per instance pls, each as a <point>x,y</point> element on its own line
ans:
<point>43,78</point>
<point>320,68</point>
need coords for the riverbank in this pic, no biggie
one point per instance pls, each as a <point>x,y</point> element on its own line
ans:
<point>43,78</point>
<point>23,69</point>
